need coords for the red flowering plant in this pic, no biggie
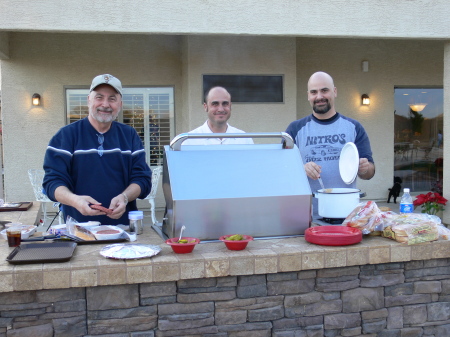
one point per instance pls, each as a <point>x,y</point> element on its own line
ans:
<point>431,203</point>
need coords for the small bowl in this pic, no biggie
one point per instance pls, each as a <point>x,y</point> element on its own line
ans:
<point>182,248</point>
<point>102,232</point>
<point>236,245</point>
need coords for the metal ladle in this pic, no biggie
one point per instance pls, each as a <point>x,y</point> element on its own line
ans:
<point>321,183</point>
<point>181,231</point>
<point>325,190</point>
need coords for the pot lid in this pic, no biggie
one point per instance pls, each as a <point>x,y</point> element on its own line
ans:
<point>349,163</point>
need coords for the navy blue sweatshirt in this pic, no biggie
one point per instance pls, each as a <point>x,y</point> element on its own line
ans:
<point>72,159</point>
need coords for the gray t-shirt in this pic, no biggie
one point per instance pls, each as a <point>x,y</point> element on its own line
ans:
<point>321,141</point>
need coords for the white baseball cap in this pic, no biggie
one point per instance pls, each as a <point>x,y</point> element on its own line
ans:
<point>107,79</point>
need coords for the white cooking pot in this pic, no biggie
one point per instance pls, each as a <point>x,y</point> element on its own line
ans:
<point>337,203</point>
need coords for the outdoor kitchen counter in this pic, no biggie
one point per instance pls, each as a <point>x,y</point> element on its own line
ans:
<point>88,268</point>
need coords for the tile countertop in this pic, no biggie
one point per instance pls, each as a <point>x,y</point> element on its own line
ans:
<point>88,268</point>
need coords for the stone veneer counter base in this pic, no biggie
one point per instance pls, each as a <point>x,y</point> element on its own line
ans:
<point>278,287</point>
<point>88,268</point>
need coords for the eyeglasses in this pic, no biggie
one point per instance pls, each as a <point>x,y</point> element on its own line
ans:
<point>101,139</point>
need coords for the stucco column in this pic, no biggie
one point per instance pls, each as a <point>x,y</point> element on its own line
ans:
<point>446,82</point>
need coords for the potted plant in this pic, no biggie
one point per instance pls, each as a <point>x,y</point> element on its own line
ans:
<point>431,203</point>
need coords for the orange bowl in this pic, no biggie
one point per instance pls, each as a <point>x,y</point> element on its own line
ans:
<point>182,248</point>
<point>236,245</point>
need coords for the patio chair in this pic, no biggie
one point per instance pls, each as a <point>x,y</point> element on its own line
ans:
<point>36,177</point>
<point>156,175</point>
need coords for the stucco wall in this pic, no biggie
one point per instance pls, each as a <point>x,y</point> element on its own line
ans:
<point>391,63</point>
<point>329,18</point>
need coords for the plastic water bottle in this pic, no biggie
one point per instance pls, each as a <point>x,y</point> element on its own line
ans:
<point>406,204</point>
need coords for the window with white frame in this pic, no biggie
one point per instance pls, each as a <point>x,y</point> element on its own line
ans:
<point>149,110</point>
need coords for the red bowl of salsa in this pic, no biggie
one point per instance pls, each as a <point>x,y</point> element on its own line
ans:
<point>236,244</point>
<point>183,247</point>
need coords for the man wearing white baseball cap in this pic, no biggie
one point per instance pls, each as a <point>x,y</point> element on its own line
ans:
<point>97,161</point>
<point>107,79</point>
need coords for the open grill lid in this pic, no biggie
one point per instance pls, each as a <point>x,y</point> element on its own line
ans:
<point>258,189</point>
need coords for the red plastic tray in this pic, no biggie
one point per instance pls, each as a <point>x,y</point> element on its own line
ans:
<point>333,235</point>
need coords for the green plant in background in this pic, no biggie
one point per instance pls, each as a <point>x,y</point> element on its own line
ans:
<point>416,121</point>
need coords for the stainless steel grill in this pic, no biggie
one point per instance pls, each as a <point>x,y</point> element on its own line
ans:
<point>259,190</point>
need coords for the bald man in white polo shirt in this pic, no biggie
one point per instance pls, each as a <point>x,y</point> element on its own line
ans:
<point>218,107</point>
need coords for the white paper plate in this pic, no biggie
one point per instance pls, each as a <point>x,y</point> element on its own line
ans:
<point>129,251</point>
<point>349,163</point>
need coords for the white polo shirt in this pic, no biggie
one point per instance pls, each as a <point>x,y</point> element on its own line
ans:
<point>216,141</point>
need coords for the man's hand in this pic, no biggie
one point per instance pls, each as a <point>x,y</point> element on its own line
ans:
<point>79,202</point>
<point>118,205</point>
<point>83,203</point>
<point>366,169</point>
<point>313,170</point>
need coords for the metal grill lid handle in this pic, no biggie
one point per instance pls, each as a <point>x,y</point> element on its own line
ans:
<point>288,142</point>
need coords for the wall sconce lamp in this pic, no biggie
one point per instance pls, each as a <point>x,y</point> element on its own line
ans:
<point>365,100</point>
<point>36,99</point>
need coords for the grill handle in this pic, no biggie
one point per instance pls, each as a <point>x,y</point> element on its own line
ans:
<point>288,142</point>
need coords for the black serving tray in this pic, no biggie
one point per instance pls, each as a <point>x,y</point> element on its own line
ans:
<point>42,252</point>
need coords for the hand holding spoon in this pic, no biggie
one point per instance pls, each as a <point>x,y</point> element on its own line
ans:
<point>325,190</point>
